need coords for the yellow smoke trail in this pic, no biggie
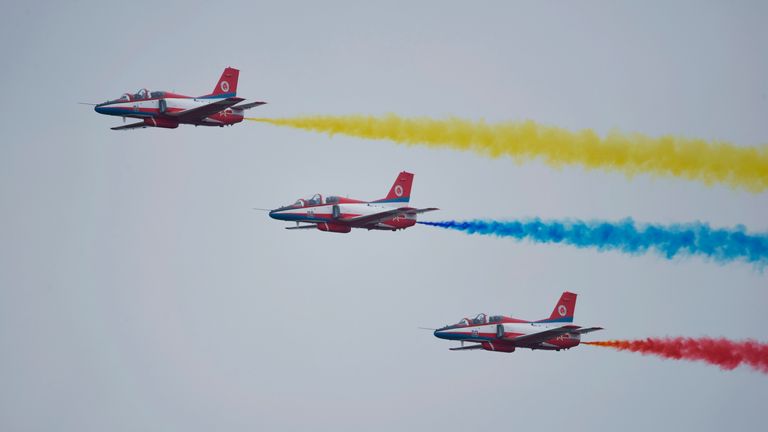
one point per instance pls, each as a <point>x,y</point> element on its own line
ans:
<point>693,159</point>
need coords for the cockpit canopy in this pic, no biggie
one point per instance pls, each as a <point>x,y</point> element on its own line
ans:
<point>478,319</point>
<point>142,94</point>
<point>316,199</point>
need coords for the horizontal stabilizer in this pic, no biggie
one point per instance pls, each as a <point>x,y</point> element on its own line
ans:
<point>248,105</point>
<point>420,211</point>
<point>587,330</point>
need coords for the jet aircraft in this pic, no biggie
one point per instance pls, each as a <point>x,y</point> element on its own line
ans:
<point>505,334</point>
<point>340,215</point>
<point>168,110</point>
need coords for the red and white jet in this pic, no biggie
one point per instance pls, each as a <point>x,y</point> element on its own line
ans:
<point>504,334</point>
<point>339,214</point>
<point>168,110</point>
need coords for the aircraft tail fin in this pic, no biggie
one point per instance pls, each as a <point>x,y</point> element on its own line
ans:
<point>564,309</point>
<point>401,189</point>
<point>227,85</point>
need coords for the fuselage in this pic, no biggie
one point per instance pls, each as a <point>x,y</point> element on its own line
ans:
<point>155,109</point>
<point>496,333</point>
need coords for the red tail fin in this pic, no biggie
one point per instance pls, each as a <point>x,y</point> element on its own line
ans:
<point>565,308</point>
<point>401,189</point>
<point>227,85</point>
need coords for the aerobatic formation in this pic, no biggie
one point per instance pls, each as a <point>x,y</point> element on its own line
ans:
<point>692,159</point>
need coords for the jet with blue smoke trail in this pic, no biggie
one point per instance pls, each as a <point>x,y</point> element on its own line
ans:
<point>338,214</point>
<point>670,241</point>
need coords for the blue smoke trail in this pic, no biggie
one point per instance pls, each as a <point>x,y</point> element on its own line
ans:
<point>720,245</point>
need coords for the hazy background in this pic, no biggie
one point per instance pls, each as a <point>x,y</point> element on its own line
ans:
<point>140,291</point>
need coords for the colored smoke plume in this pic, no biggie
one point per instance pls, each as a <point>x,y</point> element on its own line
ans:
<point>724,353</point>
<point>720,245</point>
<point>693,159</point>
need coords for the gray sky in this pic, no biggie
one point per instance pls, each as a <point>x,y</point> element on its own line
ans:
<point>139,291</point>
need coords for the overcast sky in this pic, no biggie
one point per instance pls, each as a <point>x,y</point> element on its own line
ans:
<point>140,292</point>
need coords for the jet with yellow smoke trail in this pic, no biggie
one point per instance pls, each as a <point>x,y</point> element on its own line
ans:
<point>693,159</point>
<point>505,334</point>
<point>162,109</point>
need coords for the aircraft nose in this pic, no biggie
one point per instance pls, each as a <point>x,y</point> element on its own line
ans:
<point>274,214</point>
<point>99,109</point>
<point>439,334</point>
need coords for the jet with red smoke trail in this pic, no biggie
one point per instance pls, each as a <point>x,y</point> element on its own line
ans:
<point>340,215</point>
<point>163,109</point>
<point>505,334</point>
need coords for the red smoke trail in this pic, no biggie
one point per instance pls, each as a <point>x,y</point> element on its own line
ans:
<point>724,353</point>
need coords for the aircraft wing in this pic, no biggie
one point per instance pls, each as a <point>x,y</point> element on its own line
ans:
<point>201,112</point>
<point>385,215</point>
<point>543,336</point>
<point>313,226</point>
<point>138,125</point>
<point>248,105</point>
<point>469,347</point>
